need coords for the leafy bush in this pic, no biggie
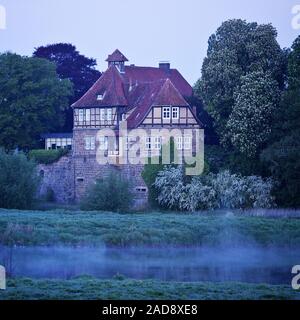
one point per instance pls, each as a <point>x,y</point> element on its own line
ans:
<point>18,181</point>
<point>112,193</point>
<point>236,192</point>
<point>222,190</point>
<point>47,156</point>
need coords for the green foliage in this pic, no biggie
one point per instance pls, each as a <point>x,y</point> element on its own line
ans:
<point>18,181</point>
<point>283,161</point>
<point>222,190</point>
<point>90,288</point>
<point>32,99</point>
<point>71,65</point>
<point>236,49</point>
<point>58,227</point>
<point>43,156</point>
<point>249,124</point>
<point>149,175</point>
<point>112,193</point>
<point>282,157</point>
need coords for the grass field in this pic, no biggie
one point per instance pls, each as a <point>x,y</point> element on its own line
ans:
<point>149,229</point>
<point>91,289</point>
<point>153,229</point>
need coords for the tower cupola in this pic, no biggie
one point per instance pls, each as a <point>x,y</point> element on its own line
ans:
<point>117,59</point>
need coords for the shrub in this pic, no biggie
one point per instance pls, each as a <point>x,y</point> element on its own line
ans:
<point>112,193</point>
<point>236,192</point>
<point>18,181</point>
<point>222,190</point>
<point>47,156</point>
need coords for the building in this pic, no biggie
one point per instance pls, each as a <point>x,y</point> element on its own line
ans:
<point>55,141</point>
<point>145,98</point>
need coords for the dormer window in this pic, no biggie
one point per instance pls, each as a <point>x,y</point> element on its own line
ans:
<point>100,97</point>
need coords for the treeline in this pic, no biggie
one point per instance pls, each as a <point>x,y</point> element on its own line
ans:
<point>36,93</point>
<point>250,89</point>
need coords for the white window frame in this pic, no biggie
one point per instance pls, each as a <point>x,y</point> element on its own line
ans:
<point>109,114</point>
<point>102,114</point>
<point>84,115</point>
<point>103,143</point>
<point>89,143</point>
<point>187,143</point>
<point>179,143</point>
<point>80,115</point>
<point>167,113</point>
<point>157,142</point>
<point>148,143</point>
<point>175,110</point>
<point>87,115</point>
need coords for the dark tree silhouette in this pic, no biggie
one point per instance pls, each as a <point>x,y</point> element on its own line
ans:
<point>72,65</point>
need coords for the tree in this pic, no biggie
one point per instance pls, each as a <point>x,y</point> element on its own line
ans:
<point>250,122</point>
<point>111,193</point>
<point>236,49</point>
<point>32,100</point>
<point>18,181</point>
<point>72,65</point>
<point>282,157</point>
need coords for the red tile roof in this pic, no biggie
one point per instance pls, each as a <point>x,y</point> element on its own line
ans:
<point>117,56</point>
<point>136,88</point>
<point>110,86</point>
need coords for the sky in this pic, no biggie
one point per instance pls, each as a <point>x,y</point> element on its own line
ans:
<point>145,31</point>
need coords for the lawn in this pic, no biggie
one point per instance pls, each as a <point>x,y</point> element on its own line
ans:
<point>153,229</point>
<point>90,288</point>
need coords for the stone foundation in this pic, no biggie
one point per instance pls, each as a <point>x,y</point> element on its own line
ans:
<point>58,177</point>
<point>70,177</point>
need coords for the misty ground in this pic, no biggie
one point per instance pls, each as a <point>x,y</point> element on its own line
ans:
<point>61,227</point>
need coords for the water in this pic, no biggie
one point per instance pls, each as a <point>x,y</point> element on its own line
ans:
<point>251,264</point>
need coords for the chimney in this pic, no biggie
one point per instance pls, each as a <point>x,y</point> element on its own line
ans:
<point>165,65</point>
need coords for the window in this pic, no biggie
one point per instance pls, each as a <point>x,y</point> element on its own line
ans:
<point>166,112</point>
<point>184,143</point>
<point>84,115</point>
<point>187,142</point>
<point>148,143</point>
<point>175,112</point>
<point>109,115</point>
<point>81,115</point>
<point>100,97</point>
<point>179,141</point>
<point>105,114</point>
<point>157,143</point>
<point>141,189</point>
<point>103,143</point>
<point>89,143</point>
<point>88,115</point>
<point>102,114</point>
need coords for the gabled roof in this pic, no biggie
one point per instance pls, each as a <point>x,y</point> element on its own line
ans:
<point>137,88</point>
<point>116,56</point>
<point>168,95</point>
<point>137,74</point>
<point>109,86</point>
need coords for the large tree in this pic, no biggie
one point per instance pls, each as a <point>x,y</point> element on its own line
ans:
<point>32,100</point>
<point>283,156</point>
<point>236,49</point>
<point>71,65</point>
<point>250,122</point>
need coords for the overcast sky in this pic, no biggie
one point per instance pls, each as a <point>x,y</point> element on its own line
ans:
<point>146,31</point>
